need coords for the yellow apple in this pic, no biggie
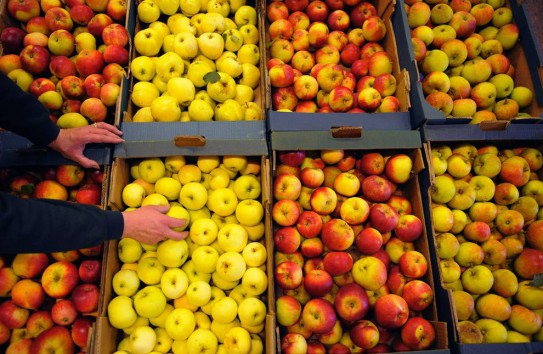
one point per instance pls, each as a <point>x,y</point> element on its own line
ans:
<point>121,313</point>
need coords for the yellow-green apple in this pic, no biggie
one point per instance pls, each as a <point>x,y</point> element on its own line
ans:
<point>469,254</point>
<point>484,188</point>
<point>148,42</point>
<point>477,279</point>
<point>419,14</point>
<point>495,252</point>
<point>508,35</point>
<point>354,210</point>
<point>323,200</point>
<point>506,109</point>
<point>505,283</point>
<point>435,60</point>
<point>59,279</point>
<point>391,311</point>
<point>522,96</point>
<point>528,295</point>
<point>369,272</point>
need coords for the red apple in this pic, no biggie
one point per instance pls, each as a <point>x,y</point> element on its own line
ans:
<point>89,62</point>
<point>62,66</point>
<point>81,14</point>
<point>288,275</point>
<point>38,322</point>
<point>113,73</point>
<point>23,10</point>
<point>116,54</point>
<point>70,175</point>
<point>12,315</point>
<point>418,333</point>
<point>364,334</point>
<point>86,297</point>
<point>287,239</point>
<point>90,270</point>
<point>376,189</point>
<point>97,24</point>
<point>391,311</point>
<point>29,265</point>
<point>309,224</point>
<point>337,235</point>
<point>417,294</point>
<point>72,87</point>
<point>361,12</point>
<point>28,294</point>
<point>318,283</point>
<point>398,168</point>
<point>351,302</point>
<point>529,263</point>
<point>369,240</point>
<point>396,280</point>
<point>383,217</point>
<point>409,228</point>
<point>56,339</point>
<point>312,247</point>
<point>80,330</point>
<point>338,263</point>
<point>35,59</point>
<point>315,263</point>
<point>63,312</point>
<point>319,316</point>
<point>116,9</point>
<point>50,189</point>
<point>12,40</point>
<point>293,343</point>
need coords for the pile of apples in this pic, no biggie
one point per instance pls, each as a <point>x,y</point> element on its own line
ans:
<point>69,54</point>
<point>196,60</point>
<point>349,273</point>
<point>461,49</point>
<point>48,301</point>
<point>327,56</point>
<point>488,229</point>
<point>204,293</point>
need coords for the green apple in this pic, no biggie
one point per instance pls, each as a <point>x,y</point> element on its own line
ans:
<point>181,89</point>
<point>220,86</point>
<point>148,11</point>
<point>180,323</point>
<point>133,195</point>
<point>148,41</point>
<point>229,65</point>
<point>200,111</point>
<point>169,65</point>
<point>129,250</point>
<point>149,302</point>
<point>125,282</point>
<point>229,110</point>
<point>143,68</point>
<point>185,45</point>
<point>250,75</point>
<point>196,72</point>
<point>211,45</point>
<point>190,7</point>
<point>212,22</point>
<point>178,23</point>
<point>504,85</point>
<point>121,313</point>
<point>492,330</point>
<point>249,34</point>
<point>202,340</point>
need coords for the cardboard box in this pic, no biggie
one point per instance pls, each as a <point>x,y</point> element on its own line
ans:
<point>521,56</point>
<point>386,142</point>
<point>159,135</point>
<point>286,121</point>
<point>107,337</point>
<point>514,135</point>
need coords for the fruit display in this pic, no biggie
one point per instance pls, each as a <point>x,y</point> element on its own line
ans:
<point>333,56</point>
<point>486,219</point>
<point>70,55</point>
<point>49,301</point>
<point>351,260</point>
<point>196,61</point>
<point>470,61</point>
<point>208,292</point>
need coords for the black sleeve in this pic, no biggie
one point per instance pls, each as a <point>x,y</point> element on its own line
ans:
<point>43,225</point>
<point>22,114</point>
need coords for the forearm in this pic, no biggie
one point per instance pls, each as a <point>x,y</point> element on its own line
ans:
<point>22,114</point>
<point>40,225</point>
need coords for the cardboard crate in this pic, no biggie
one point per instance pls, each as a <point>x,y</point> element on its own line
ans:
<point>163,134</point>
<point>386,142</point>
<point>512,136</point>
<point>521,57</point>
<point>389,11</point>
<point>105,336</point>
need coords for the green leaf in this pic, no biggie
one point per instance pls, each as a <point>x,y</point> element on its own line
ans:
<point>212,77</point>
<point>537,281</point>
<point>27,189</point>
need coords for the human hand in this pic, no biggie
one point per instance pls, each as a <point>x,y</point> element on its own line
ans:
<point>149,224</point>
<point>71,142</point>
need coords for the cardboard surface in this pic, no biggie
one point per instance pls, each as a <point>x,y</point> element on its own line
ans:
<point>522,56</point>
<point>514,135</point>
<point>287,121</point>
<point>411,190</point>
<point>106,337</point>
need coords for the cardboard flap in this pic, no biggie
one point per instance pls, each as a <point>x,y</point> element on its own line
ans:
<point>494,125</point>
<point>189,140</point>
<point>346,132</point>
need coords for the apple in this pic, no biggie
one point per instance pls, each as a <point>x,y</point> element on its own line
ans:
<point>377,189</point>
<point>38,322</point>
<point>351,302</point>
<point>64,312</point>
<point>317,282</point>
<point>28,265</point>
<point>85,297</point>
<point>337,263</point>
<point>80,330</point>
<point>288,275</point>
<point>337,235</point>
<point>528,263</point>
<point>369,272</point>
<point>27,294</point>
<point>418,333</point>
<point>391,311</point>
<point>383,217</point>
<point>413,264</point>
<point>90,270</point>
<point>54,339</point>
<point>59,279</point>
<point>12,40</point>
<point>319,316</point>
<point>294,343</point>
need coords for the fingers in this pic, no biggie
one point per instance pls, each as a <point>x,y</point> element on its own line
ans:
<point>84,161</point>
<point>177,236</point>
<point>109,127</point>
